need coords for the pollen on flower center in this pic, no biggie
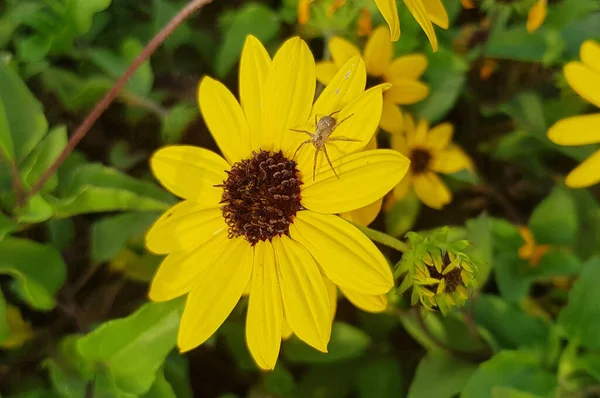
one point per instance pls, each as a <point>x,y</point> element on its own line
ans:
<point>261,196</point>
<point>419,159</point>
<point>452,278</point>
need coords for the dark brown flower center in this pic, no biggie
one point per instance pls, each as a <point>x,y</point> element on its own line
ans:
<point>261,196</point>
<point>453,278</point>
<point>419,160</point>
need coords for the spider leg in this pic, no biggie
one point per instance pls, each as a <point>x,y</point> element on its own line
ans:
<point>303,131</point>
<point>343,139</point>
<point>342,121</point>
<point>333,113</point>
<point>316,120</point>
<point>315,162</point>
<point>300,146</point>
<point>329,161</point>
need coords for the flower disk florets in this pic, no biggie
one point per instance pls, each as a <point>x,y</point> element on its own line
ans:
<point>261,196</point>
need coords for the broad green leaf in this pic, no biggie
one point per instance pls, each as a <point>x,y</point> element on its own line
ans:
<point>163,11</point>
<point>174,124</point>
<point>71,376</point>
<point>177,373</point>
<point>7,152</point>
<point>133,348</point>
<point>590,362</point>
<point>479,234</point>
<point>137,267</point>
<point>336,380</point>
<point>111,234</point>
<point>579,30</point>
<point>440,376</point>
<point>61,232</point>
<point>588,211</point>
<point>13,17</point>
<point>122,157</point>
<point>580,318</point>
<point>19,330</point>
<point>4,328</point>
<point>401,218</point>
<point>235,338</point>
<point>75,93</point>
<point>554,221</point>
<point>279,382</point>
<point>23,114</point>
<point>106,387</point>
<point>39,270</point>
<point>242,23</point>
<point>6,226</point>
<point>36,210</point>
<point>346,342</point>
<point>382,378</point>
<point>161,387</point>
<point>43,155</point>
<point>507,392</point>
<point>514,369</point>
<point>82,12</point>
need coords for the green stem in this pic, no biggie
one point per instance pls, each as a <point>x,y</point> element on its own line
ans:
<point>383,238</point>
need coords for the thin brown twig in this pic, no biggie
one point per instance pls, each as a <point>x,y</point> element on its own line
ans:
<point>103,104</point>
<point>17,185</point>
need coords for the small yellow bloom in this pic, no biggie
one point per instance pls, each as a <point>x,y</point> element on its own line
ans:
<point>537,15</point>
<point>335,6</point>
<point>426,12</point>
<point>402,73</point>
<point>488,68</point>
<point>530,250</point>
<point>430,152</point>
<point>467,4</point>
<point>303,11</point>
<point>256,218</point>
<point>584,78</point>
<point>364,24</point>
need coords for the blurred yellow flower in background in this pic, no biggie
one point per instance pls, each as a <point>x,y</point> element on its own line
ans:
<point>467,4</point>
<point>256,219</point>
<point>537,15</point>
<point>530,250</point>
<point>402,73</point>
<point>425,12</point>
<point>584,78</point>
<point>430,151</point>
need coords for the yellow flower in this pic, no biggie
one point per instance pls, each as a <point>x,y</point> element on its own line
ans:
<point>537,15</point>
<point>467,4</point>
<point>584,78</point>
<point>364,26</point>
<point>303,11</point>
<point>402,73</point>
<point>425,12</point>
<point>257,217</point>
<point>430,152</point>
<point>530,250</point>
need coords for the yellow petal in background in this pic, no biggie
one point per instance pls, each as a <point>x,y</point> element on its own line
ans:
<point>585,81</point>
<point>389,11</point>
<point>215,295</point>
<point>303,11</point>
<point>406,91</point>
<point>576,130</point>
<point>225,119</point>
<point>378,52</point>
<point>590,54</point>
<point>537,15</point>
<point>325,71</point>
<point>437,13</point>
<point>419,12</point>
<point>305,296</point>
<point>190,172</point>
<point>392,119</point>
<point>440,136</point>
<point>265,308</point>
<point>364,178</point>
<point>403,188</point>
<point>342,50</point>
<point>366,302</point>
<point>410,66</point>
<point>286,330</point>
<point>431,190</point>
<point>332,291</point>
<point>586,174</point>
<point>365,215</point>
<point>346,256</point>
<point>254,68</point>
<point>451,160</point>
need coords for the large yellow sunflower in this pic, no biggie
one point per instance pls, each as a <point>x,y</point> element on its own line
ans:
<point>426,12</point>
<point>256,219</point>
<point>584,78</point>
<point>431,151</point>
<point>402,73</point>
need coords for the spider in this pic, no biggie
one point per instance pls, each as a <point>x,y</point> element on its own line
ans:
<point>323,130</point>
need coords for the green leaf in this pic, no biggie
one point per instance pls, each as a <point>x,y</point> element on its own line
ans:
<point>121,156</point>
<point>43,155</point>
<point>235,339</point>
<point>243,23</point>
<point>36,210</point>
<point>580,318</point>
<point>329,381</point>
<point>7,151</point>
<point>75,93</point>
<point>13,17</point>
<point>4,327</point>
<point>515,369</point>
<point>346,342</point>
<point>70,376</point>
<point>106,387</point>
<point>161,387</point>
<point>6,226</point>
<point>279,382</point>
<point>23,114</point>
<point>111,234</point>
<point>61,232</point>
<point>479,234</point>
<point>507,392</point>
<point>440,376</point>
<point>133,348</point>
<point>590,362</point>
<point>39,270</point>
<point>401,218</point>
<point>176,121</point>
<point>382,378</point>
<point>554,221</point>
<point>588,211</point>
<point>177,373</point>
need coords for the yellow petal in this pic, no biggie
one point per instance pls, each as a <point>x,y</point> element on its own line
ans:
<point>363,178</point>
<point>590,54</point>
<point>431,190</point>
<point>346,256</point>
<point>190,172</point>
<point>451,160</point>
<point>399,142</point>
<point>388,9</point>
<point>537,15</point>
<point>185,225</point>
<point>410,66</point>
<point>417,136</point>
<point>180,271</point>
<point>585,81</point>
<point>305,297</point>
<point>254,68</point>
<point>527,250</point>
<point>215,295</point>
<point>467,4</point>
<point>325,71</point>
<point>303,11</point>
<point>289,93</point>
<point>403,188</point>
<point>366,302</point>
<point>418,11</point>
<point>19,330</point>
<point>286,330</point>
<point>332,292</point>
<point>392,120</point>
<point>576,130</point>
<point>365,215</point>
<point>342,50</point>
<point>437,13</point>
<point>265,308</point>
<point>586,174</point>
<point>440,136</point>
<point>406,91</point>
<point>225,119</point>
<point>378,52</point>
